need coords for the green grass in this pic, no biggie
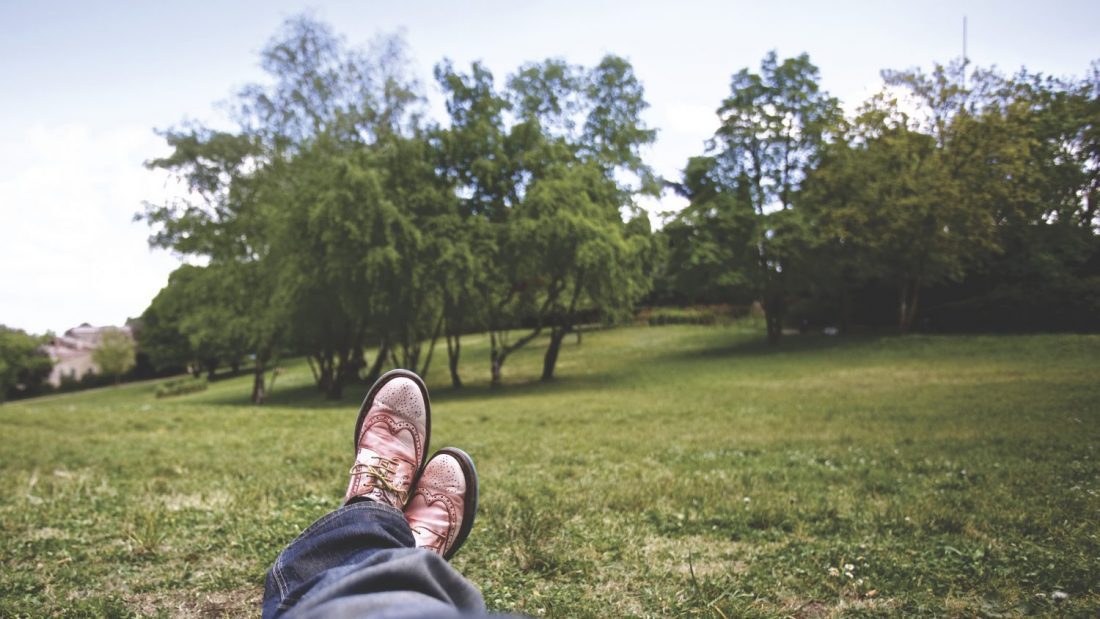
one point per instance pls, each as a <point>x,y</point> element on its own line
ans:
<point>668,471</point>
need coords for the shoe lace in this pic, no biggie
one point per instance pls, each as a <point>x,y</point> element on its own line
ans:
<point>440,538</point>
<point>379,473</point>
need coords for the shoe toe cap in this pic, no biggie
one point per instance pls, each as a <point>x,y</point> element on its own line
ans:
<point>444,474</point>
<point>402,396</point>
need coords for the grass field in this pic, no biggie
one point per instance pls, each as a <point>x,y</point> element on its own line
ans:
<point>668,471</point>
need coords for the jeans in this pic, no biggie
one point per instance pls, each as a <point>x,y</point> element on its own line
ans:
<point>361,560</point>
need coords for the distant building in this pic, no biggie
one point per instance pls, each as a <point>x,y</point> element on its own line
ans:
<point>72,351</point>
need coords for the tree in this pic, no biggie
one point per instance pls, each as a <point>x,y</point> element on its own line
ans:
<point>773,126</point>
<point>579,131</point>
<point>895,200</point>
<point>24,366</point>
<point>114,353</point>
<point>253,192</point>
<point>339,246</point>
<point>161,337</point>
<point>221,310</point>
<point>593,264</point>
<point>1016,182</point>
<point>479,159</point>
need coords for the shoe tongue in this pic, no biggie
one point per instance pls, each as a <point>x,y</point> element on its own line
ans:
<point>365,456</point>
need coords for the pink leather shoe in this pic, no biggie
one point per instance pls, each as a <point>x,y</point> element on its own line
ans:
<point>444,503</point>
<point>391,439</point>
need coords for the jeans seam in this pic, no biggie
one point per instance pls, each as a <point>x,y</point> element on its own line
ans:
<point>362,505</point>
<point>278,572</point>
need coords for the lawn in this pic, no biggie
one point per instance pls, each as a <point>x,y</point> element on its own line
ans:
<point>680,470</point>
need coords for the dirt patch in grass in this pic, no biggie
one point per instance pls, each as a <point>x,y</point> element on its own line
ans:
<point>244,602</point>
<point>206,501</point>
<point>812,609</point>
<point>703,555</point>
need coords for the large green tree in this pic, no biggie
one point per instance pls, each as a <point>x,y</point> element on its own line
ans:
<point>340,249</point>
<point>1014,190</point>
<point>571,231</point>
<point>24,366</point>
<point>479,159</point>
<point>585,127</point>
<point>516,154</point>
<point>773,126</point>
<point>281,206</point>
<point>893,201</point>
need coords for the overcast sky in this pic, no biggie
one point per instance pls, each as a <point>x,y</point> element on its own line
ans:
<point>84,84</point>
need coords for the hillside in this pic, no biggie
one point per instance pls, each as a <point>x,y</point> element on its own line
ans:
<point>671,470</point>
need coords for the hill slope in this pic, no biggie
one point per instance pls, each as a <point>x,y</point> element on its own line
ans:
<point>669,470</point>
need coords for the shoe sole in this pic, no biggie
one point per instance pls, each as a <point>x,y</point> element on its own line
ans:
<point>470,504</point>
<point>369,400</point>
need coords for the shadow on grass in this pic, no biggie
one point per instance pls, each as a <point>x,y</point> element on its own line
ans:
<point>308,396</point>
<point>746,346</point>
<point>811,343</point>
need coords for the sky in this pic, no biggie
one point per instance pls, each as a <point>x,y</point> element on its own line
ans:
<point>84,85</point>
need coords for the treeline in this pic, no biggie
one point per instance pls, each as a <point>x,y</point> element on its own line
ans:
<point>339,219</point>
<point>976,189</point>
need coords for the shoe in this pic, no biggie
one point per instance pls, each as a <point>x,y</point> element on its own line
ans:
<point>391,439</point>
<point>444,503</point>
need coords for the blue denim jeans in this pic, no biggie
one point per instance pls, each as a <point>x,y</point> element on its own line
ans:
<point>361,560</point>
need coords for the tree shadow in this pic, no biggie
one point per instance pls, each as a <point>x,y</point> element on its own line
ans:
<point>803,344</point>
<point>307,396</point>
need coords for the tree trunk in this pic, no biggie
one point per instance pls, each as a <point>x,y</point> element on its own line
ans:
<point>775,330</point>
<point>347,369</point>
<point>335,391</point>
<point>410,356</point>
<point>431,348</point>
<point>499,351</point>
<point>453,351</point>
<point>258,392</point>
<point>907,305</point>
<point>379,361</point>
<point>773,318</point>
<point>845,310</point>
<point>551,357</point>
<point>494,369</point>
<point>324,375</point>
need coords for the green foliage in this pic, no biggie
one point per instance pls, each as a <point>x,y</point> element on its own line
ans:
<point>24,367</point>
<point>895,204</point>
<point>955,475</point>
<point>698,315</point>
<point>773,124</point>
<point>979,188</point>
<point>338,218</point>
<point>204,317</point>
<point>973,185</point>
<point>289,210</point>
<point>181,386</point>
<point>114,353</point>
<point>738,238</point>
<point>545,169</point>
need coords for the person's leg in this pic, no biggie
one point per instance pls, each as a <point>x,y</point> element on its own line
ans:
<point>359,561</point>
<point>363,558</point>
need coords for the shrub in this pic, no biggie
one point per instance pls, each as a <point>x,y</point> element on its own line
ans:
<point>181,386</point>
<point>696,315</point>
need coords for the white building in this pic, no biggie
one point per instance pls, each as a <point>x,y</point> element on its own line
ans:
<point>72,352</point>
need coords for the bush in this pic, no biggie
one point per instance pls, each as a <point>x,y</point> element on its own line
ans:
<point>696,315</point>
<point>181,386</point>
